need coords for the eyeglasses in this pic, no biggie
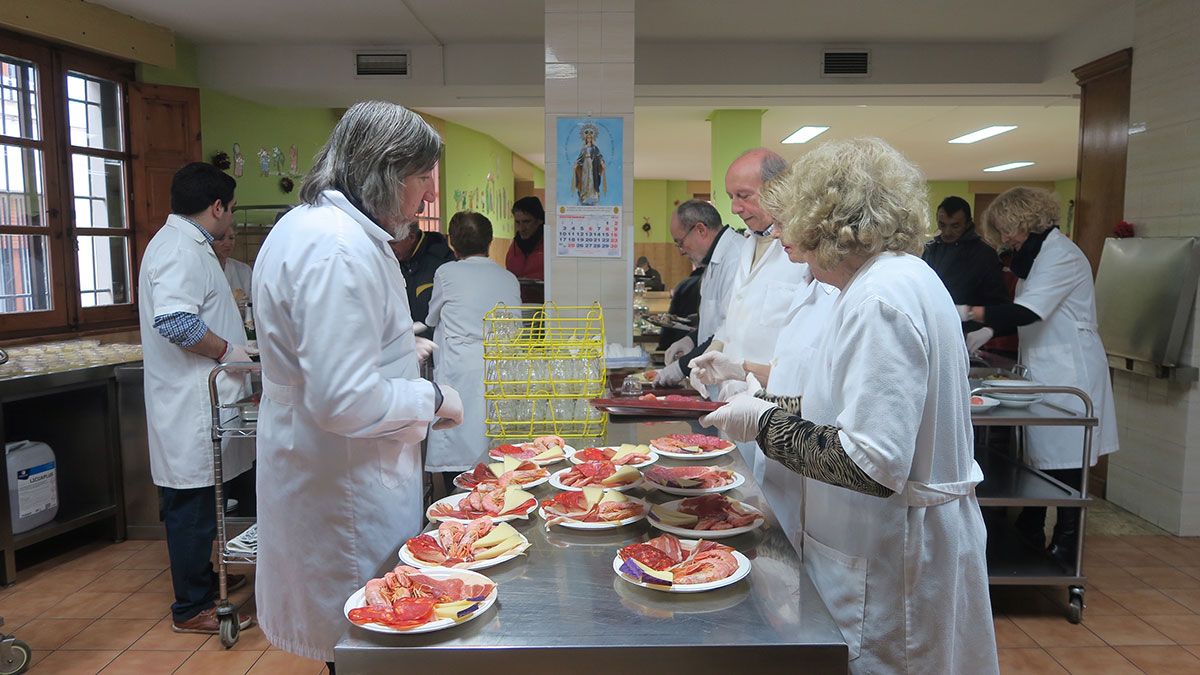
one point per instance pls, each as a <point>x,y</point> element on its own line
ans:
<point>679,241</point>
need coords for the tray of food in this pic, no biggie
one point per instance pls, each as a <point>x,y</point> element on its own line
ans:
<point>494,501</point>
<point>691,446</point>
<point>542,451</point>
<point>602,474</point>
<point>707,516</point>
<point>475,545</point>
<point>512,471</point>
<point>667,563</point>
<point>592,508</point>
<point>672,405</point>
<point>408,600</point>
<point>626,454</point>
<point>692,481</point>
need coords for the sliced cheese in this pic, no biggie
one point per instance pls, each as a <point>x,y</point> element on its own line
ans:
<point>498,534</point>
<point>503,548</point>
<point>612,496</point>
<point>664,575</point>
<point>673,517</point>
<point>510,463</point>
<point>593,495</point>
<point>496,468</point>
<point>552,452</point>
<point>623,475</point>
<point>513,498</point>
<point>631,449</point>
<point>450,610</point>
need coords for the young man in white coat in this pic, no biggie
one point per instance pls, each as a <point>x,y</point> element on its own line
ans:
<point>464,291</point>
<point>343,408</point>
<point>189,323</point>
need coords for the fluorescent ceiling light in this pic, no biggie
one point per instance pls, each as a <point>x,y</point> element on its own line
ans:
<point>805,134</point>
<point>976,136</point>
<point>1008,167</point>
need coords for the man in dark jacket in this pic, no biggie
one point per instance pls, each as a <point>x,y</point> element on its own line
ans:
<point>420,254</point>
<point>968,267</point>
<point>685,302</point>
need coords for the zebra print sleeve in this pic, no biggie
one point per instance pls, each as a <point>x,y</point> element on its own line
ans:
<point>814,451</point>
<point>790,404</point>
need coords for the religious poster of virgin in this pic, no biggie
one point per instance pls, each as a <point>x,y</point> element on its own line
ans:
<point>589,186</point>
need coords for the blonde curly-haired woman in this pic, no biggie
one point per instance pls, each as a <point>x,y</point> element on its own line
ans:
<point>893,536</point>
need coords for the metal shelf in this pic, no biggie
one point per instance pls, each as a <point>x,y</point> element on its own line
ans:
<point>1008,482</point>
<point>1013,562</point>
<point>67,519</point>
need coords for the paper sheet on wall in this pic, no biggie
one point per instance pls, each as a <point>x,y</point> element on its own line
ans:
<point>589,231</point>
<point>589,195</point>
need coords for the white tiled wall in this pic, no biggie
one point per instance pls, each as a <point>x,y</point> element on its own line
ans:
<point>1156,474</point>
<point>589,70</point>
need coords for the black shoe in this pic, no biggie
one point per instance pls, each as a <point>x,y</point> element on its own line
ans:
<point>1065,541</point>
<point>1031,526</point>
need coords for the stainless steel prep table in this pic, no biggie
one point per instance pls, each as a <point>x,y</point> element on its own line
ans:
<point>562,609</point>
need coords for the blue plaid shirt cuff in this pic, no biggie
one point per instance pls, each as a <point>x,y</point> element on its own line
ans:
<point>181,328</point>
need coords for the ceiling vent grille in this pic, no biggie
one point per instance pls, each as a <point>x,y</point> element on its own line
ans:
<point>846,63</point>
<point>395,64</point>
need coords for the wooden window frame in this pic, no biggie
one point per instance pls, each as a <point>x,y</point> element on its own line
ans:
<point>68,314</point>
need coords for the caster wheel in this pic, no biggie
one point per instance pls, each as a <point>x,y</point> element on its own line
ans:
<point>17,660</point>
<point>229,631</point>
<point>1075,606</point>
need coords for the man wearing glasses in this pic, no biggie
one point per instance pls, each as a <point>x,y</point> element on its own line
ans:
<point>699,234</point>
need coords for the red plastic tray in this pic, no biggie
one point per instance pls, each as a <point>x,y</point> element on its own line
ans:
<point>633,406</point>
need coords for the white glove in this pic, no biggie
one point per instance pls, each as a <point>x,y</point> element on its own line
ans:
<point>678,348</point>
<point>450,414</point>
<point>419,328</point>
<point>669,376</point>
<point>978,338</point>
<point>964,312</point>
<point>697,384</point>
<point>739,417</point>
<point>425,348</point>
<point>234,354</point>
<point>717,367</point>
<point>732,388</point>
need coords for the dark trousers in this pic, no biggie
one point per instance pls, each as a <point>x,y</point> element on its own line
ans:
<point>190,517</point>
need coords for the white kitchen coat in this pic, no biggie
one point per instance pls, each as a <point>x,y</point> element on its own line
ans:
<point>463,292</point>
<point>904,577</point>
<point>716,283</point>
<point>239,275</point>
<point>180,273</point>
<point>342,417</point>
<point>1064,349</point>
<point>795,350</point>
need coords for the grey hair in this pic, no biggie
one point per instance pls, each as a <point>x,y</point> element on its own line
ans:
<point>771,163</point>
<point>699,211</point>
<point>373,149</point>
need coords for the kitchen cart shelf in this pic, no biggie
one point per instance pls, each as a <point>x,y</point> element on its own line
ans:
<point>1014,562</point>
<point>1007,482</point>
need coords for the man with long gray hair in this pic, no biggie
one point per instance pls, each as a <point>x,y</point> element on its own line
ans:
<point>343,408</point>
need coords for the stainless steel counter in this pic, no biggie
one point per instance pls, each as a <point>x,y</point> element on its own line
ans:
<point>562,609</point>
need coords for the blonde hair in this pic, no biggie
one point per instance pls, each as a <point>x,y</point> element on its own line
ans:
<point>1020,209</point>
<point>849,198</point>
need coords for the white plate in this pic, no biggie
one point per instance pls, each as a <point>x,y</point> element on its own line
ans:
<point>1017,402</point>
<point>738,574</point>
<point>523,486</point>
<point>602,525</point>
<point>357,600</point>
<point>556,482</point>
<point>454,499</point>
<point>1010,383</point>
<point>567,451</point>
<point>653,456</point>
<point>408,558</point>
<point>988,404</point>
<point>690,455</point>
<point>706,534</point>
<point>738,479</point>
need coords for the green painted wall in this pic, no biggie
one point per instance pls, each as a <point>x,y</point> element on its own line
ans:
<point>650,204</point>
<point>733,132</point>
<point>539,178</point>
<point>478,177</point>
<point>1065,189</point>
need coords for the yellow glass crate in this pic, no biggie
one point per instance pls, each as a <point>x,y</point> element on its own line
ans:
<point>542,363</point>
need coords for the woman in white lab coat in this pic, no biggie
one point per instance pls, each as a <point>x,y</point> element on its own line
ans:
<point>1054,313</point>
<point>463,292</point>
<point>344,409</point>
<point>893,536</point>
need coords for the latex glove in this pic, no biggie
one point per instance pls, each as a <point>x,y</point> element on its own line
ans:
<point>964,312</point>
<point>717,367</point>
<point>234,354</point>
<point>419,328</point>
<point>732,388</point>
<point>738,418</point>
<point>978,338</point>
<point>678,348</point>
<point>669,376</point>
<point>425,348</point>
<point>699,386</point>
<point>450,414</point>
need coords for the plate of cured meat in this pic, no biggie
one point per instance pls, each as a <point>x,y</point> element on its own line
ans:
<point>707,516</point>
<point>592,509</point>
<point>408,600</point>
<point>626,454</point>
<point>471,546</point>
<point>692,481</point>
<point>500,503</point>
<point>542,451</point>
<point>691,446</point>
<point>653,405</point>
<point>512,471</point>
<point>667,563</point>
<point>601,474</point>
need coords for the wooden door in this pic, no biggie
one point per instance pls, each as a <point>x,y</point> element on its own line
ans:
<point>164,130</point>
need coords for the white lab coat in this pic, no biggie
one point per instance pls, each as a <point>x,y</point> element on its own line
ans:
<point>180,273</point>
<point>716,283</point>
<point>342,417</point>
<point>904,577</point>
<point>239,275</point>
<point>811,311</point>
<point>463,292</point>
<point>1064,349</point>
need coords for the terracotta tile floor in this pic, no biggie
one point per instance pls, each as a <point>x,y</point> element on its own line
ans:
<point>104,609</point>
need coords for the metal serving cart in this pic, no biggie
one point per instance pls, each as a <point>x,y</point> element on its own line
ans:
<point>1009,482</point>
<point>231,420</point>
